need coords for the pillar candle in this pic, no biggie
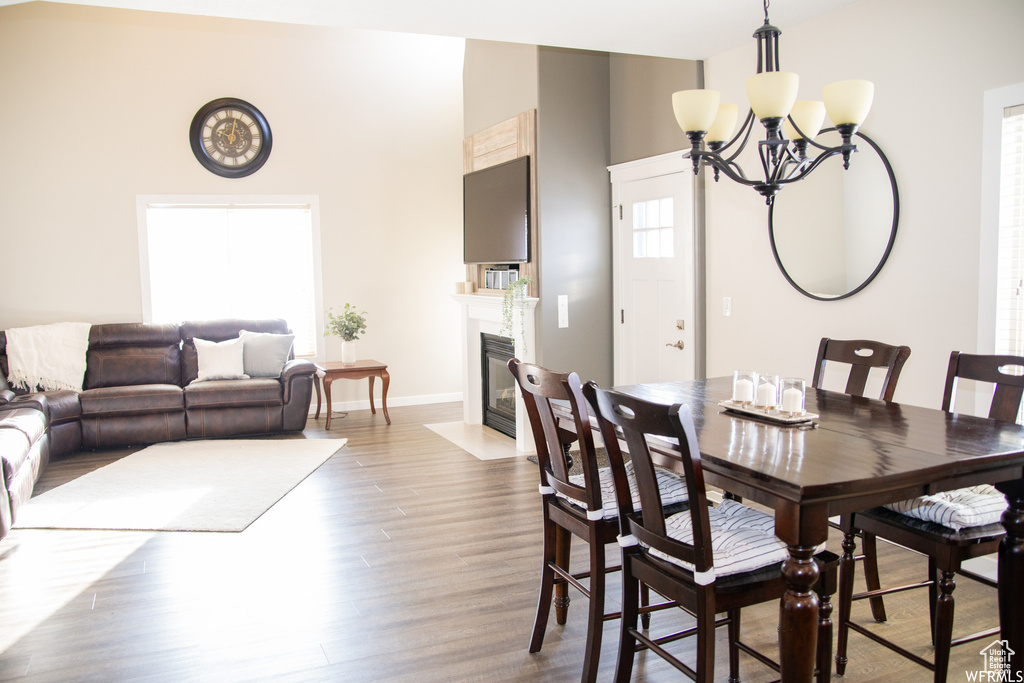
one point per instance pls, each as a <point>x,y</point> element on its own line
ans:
<point>792,401</point>
<point>767,395</point>
<point>743,391</point>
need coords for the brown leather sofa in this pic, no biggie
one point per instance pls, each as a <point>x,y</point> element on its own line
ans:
<point>24,454</point>
<point>138,389</point>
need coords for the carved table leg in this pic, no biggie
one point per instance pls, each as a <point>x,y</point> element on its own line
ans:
<point>385,380</point>
<point>373,410</point>
<point>316,385</point>
<point>802,527</point>
<point>327,394</point>
<point>1011,565</point>
<point>798,615</point>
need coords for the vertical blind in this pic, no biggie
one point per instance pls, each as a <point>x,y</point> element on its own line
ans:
<point>238,261</point>
<point>1010,274</point>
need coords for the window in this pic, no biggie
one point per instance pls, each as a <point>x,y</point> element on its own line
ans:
<point>1010,278</point>
<point>653,232</point>
<point>203,260</point>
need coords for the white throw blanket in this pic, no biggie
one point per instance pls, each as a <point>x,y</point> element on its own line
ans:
<point>48,356</point>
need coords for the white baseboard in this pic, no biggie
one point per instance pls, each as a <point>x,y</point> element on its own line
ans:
<point>393,402</point>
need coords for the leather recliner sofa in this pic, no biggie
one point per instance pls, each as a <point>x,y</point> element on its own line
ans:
<point>139,388</point>
<point>24,454</point>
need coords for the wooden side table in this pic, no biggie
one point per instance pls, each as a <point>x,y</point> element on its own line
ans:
<point>359,370</point>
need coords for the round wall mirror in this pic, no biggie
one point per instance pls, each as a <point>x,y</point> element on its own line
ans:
<point>832,232</point>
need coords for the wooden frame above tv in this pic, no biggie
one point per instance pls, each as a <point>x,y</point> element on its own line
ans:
<point>505,141</point>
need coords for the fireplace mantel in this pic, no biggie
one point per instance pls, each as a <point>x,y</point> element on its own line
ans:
<point>483,313</point>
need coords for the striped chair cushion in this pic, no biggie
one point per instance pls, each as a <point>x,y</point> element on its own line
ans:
<point>742,539</point>
<point>672,486</point>
<point>974,506</point>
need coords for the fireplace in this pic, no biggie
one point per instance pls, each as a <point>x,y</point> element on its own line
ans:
<point>485,314</point>
<point>497,384</point>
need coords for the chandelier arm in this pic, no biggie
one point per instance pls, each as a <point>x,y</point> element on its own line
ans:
<point>725,166</point>
<point>789,159</point>
<point>745,130</point>
<point>831,152</point>
<point>823,147</point>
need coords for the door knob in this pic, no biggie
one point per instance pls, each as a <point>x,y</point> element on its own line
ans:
<point>678,345</point>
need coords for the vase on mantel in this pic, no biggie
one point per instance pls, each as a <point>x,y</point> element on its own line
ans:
<point>348,352</point>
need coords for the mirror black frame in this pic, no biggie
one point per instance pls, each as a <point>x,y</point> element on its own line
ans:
<point>888,247</point>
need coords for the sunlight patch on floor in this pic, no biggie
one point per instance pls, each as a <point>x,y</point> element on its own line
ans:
<point>40,575</point>
<point>483,442</point>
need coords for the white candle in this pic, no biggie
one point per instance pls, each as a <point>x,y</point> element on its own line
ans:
<point>792,401</point>
<point>743,391</point>
<point>767,395</point>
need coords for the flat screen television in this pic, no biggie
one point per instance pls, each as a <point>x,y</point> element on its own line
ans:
<point>496,213</point>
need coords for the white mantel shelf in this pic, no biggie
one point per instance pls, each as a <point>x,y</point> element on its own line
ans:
<point>482,313</point>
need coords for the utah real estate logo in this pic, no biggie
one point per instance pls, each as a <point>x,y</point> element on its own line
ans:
<point>996,669</point>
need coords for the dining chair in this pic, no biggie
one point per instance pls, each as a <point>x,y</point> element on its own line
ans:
<point>582,504</point>
<point>949,527</point>
<point>863,355</point>
<point>707,560</point>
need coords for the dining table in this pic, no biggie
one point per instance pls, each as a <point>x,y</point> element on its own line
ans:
<point>857,454</point>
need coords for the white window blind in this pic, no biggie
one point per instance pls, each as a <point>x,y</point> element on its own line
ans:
<point>235,261</point>
<point>1010,277</point>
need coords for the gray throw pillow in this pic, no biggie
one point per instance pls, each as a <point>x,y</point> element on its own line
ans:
<point>264,354</point>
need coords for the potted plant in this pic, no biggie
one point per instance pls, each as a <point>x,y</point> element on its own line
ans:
<point>348,325</point>
<point>514,294</point>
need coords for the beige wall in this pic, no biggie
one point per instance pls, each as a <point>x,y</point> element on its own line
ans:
<point>499,81</point>
<point>931,61</point>
<point>96,109</point>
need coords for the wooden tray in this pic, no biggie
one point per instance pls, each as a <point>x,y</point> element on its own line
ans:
<point>771,415</point>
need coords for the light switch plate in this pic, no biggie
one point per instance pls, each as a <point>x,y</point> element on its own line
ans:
<point>563,310</point>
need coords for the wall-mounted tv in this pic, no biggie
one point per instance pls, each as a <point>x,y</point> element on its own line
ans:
<point>496,213</point>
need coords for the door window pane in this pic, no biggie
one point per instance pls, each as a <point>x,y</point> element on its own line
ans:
<point>653,228</point>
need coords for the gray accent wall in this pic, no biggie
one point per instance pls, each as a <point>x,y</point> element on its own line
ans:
<point>575,212</point>
<point>642,122</point>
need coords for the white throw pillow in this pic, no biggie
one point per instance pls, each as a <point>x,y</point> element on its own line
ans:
<point>265,353</point>
<point>220,360</point>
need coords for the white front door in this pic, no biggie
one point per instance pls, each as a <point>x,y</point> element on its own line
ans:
<point>655,279</point>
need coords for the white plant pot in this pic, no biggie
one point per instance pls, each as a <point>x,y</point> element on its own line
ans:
<point>348,352</point>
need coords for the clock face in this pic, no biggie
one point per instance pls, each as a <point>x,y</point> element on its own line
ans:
<point>230,138</point>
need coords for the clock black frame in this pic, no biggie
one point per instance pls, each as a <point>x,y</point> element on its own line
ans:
<point>195,138</point>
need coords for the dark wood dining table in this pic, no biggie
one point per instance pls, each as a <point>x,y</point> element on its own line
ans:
<point>860,453</point>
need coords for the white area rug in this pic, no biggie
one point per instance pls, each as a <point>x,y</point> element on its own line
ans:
<point>214,485</point>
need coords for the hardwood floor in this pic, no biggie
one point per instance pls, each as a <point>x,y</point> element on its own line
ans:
<point>403,558</point>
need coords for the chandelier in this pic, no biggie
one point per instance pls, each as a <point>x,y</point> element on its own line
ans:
<point>790,126</point>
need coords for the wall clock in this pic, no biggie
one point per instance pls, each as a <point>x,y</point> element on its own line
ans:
<point>230,137</point>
